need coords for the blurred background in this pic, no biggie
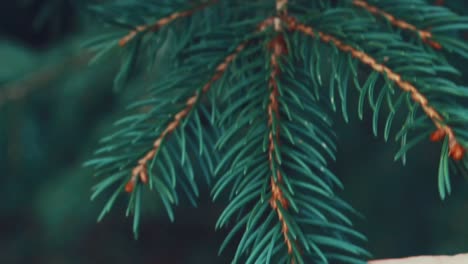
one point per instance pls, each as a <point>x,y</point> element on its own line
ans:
<point>54,108</point>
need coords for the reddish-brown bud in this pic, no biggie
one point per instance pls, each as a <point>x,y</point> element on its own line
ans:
<point>437,135</point>
<point>457,152</point>
<point>130,186</point>
<point>435,45</point>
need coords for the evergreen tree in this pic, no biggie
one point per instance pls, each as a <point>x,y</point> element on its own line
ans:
<point>240,95</point>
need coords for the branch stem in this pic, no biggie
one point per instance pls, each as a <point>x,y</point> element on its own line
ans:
<point>161,23</point>
<point>278,48</point>
<point>140,171</point>
<point>426,36</point>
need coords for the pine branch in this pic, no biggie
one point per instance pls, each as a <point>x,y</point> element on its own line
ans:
<point>276,142</point>
<point>457,151</point>
<point>140,171</point>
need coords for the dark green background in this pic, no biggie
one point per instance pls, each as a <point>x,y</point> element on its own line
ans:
<point>46,215</point>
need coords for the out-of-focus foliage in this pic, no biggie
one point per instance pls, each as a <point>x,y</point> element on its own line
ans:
<point>46,215</point>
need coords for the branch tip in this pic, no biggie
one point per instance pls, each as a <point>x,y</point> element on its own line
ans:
<point>457,152</point>
<point>437,135</point>
<point>130,186</point>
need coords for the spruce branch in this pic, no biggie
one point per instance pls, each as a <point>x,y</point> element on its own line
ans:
<point>289,172</point>
<point>276,138</point>
<point>425,35</point>
<point>140,171</point>
<point>456,151</point>
<point>160,23</point>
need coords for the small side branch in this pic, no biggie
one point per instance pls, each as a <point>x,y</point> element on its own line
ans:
<point>456,150</point>
<point>140,171</point>
<point>162,22</point>
<point>426,36</point>
<point>278,48</point>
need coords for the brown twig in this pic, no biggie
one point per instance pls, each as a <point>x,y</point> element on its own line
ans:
<point>140,171</point>
<point>278,48</point>
<point>456,150</point>
<point>162,22</point>
<point>426,36</point>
